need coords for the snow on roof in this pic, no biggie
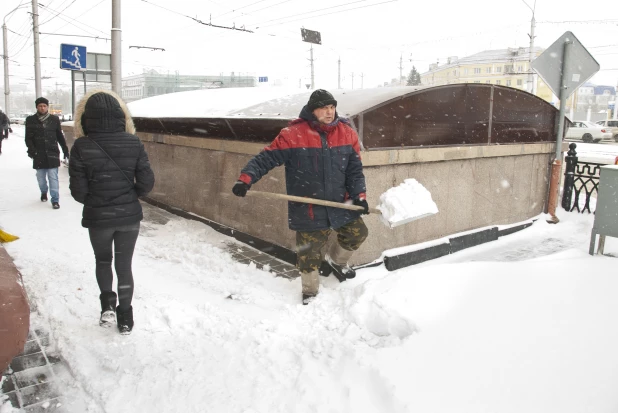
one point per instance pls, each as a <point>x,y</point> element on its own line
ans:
<point>263,102</point>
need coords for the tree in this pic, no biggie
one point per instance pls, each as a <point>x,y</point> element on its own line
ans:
<point>414,78</point>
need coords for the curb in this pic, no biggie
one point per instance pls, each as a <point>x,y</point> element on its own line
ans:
<point>454,244</point>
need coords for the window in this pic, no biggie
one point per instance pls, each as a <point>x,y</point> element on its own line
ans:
<point>498,82</point>
<point>520,82</point>
<point>508,83</point>
<point>477,81</point>
<point>488,81</point>
<point>488,69</point>
<point>465,71</point>
<point>520,68</point>
<point>477,70</point>
<point>499,69</point>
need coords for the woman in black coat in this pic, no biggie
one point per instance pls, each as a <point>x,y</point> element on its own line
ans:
<point>109,170</point>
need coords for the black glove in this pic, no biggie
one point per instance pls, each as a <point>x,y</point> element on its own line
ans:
<point>241,188</point>
<point>363,203</point>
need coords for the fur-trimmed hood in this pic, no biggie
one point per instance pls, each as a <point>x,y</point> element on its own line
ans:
<point>102,111</point>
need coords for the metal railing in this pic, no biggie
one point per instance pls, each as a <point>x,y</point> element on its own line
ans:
<point>579,178</point>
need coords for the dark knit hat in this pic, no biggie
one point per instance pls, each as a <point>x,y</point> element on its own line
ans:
<point>319,99</point>
<point>41,100</point>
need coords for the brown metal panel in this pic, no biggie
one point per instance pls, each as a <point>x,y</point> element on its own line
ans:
<point>519,117</point>
<point>249,130</point>
<point>452,115</point>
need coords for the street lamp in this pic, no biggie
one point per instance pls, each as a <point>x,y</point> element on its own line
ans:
<point>531,58</point>
<point>5,55</point>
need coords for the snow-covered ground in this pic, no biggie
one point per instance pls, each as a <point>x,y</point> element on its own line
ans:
<point>595,152</point>
<point>528,323</point>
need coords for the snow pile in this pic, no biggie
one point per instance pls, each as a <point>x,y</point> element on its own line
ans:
<point>526,323</point>
<point>206,102</point>
<point>408,200</point>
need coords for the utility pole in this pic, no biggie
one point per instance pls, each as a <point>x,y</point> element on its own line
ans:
<point>312,73</point>
<point>352,80</point>
<point>116,48</point>
<point>400,68</point>
<point>339,73</point>
<point>37,54</point>
<point>531,86</point>
<point>5,55</point>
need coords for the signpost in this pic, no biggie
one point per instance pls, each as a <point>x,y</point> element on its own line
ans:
<point>72,57</point>
<point>312,37</point>
<point>84,66</point>
<point>564,66</point>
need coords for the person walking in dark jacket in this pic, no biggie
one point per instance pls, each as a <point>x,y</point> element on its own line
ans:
<point>109,170</point>
<point>5,128</point>
<point>43,134</point>
<point>321,154</point>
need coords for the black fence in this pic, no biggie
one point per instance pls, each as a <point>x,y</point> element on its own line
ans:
<point>580,178</point>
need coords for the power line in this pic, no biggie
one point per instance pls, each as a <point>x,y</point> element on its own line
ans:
<point>243,7</point>
<point>75,20</point>
<point>75,35</point>
<point>58,13</point>
<point>241,29</point>
<point>309,12</point>
<point>15,32</point>
<point>336,12</point>
<point>263,8</point>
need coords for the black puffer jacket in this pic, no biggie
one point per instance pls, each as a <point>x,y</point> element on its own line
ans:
<point>100,183</point>
<point>42,140</point>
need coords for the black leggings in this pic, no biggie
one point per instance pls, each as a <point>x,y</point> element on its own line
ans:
<point>123,239</point>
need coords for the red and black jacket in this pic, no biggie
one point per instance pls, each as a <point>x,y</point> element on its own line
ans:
<point>321,161</point>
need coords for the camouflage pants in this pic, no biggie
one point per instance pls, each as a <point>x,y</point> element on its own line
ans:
<point>309,244</point>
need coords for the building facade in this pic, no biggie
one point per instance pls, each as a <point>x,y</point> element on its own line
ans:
<point>152,83</point>
<point>506,67</point>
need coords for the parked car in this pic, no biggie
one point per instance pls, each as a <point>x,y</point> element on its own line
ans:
<point>588,132</point>
<point>611,125</point>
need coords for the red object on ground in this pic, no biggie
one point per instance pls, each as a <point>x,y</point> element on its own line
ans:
<point>15,312</point>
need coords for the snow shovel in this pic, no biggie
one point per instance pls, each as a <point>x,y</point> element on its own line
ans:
<point>6,237</point>
<point>322,202</point>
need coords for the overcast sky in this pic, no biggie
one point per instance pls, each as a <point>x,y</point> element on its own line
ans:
<point>368,35</point>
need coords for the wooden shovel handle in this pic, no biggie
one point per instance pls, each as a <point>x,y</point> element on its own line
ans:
<point>311,201</point>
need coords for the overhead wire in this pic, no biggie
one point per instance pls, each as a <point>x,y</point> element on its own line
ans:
<point>243,7</point>
<point>57,12</point>
<point>309,12</point>
<point>75,20</point>
<point>331,13</point>
<point>252,12</point>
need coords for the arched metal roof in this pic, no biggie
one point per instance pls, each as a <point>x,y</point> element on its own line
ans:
<point>456,114</point>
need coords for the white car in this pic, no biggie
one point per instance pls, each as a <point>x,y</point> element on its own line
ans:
<point>611,125</point>
<point>588,132</point>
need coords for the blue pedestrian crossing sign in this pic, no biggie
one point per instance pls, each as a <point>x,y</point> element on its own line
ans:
<point>72,57</point>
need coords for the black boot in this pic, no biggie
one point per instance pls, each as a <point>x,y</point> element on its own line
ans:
<point>125,320</point>
<point>325,269</point>
<point>108,308</point>
<point>341,271</point>
<point>307,298</point>
<point>44,197</point>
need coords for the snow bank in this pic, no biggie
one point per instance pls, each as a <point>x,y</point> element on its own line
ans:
<point>408,200</point>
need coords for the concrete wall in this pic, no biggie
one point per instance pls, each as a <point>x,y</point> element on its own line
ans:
<point>473,186</point>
